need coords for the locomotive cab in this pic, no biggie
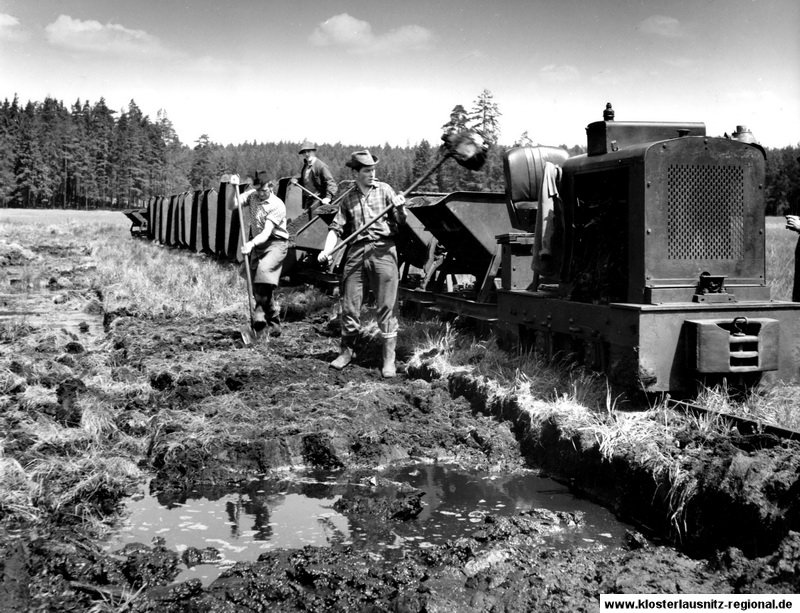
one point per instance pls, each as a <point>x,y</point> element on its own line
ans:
<point>654,211</point>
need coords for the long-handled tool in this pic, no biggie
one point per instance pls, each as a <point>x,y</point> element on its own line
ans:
<point>306,190</point>
<point>467,148</point>
<point>313,195</point>
<point>248,332</point>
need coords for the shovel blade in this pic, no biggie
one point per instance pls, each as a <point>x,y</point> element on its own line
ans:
<point>248,335</point>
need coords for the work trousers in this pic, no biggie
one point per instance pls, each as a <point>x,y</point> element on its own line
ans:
<point>372,265</point>
<point>796,287</point>
<point>264,313</point>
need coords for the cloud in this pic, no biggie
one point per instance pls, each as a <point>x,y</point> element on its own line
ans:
<point>356,36</point>
<point>94,37</point>
<point>553,73</point>
<point>9,28</point>
<point>680,62</point>
<point>668,27</point>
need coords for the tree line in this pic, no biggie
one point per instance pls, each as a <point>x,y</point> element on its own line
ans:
<point>89,156</point>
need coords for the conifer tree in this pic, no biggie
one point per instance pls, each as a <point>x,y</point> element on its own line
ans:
<point>30,173</point>
<point>423,160</point>
<point>9,132</point>
<point>484,117</point>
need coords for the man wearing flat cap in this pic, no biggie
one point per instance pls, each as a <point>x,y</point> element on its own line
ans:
<point>316,177</point>
<point>371,259</point>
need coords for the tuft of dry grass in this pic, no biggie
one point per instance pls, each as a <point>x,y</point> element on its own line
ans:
<point>211,421</point>
<point>18,492</point>
<point>295,304</point>
<point>776,405</point>
<point>15,329</point>
<point>84,485</point>
<point>10,381</point>
<point>37,398</point>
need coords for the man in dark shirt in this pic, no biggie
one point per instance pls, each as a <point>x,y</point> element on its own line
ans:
<point>315,176</point>
<point>793,224</point>
<point>371,258</point>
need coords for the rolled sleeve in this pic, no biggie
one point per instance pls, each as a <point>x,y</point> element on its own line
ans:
<point>338,223</point>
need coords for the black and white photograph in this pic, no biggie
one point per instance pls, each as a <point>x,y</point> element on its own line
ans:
<point>449,306</point>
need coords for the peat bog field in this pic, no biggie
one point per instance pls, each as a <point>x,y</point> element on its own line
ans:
<point>151,462</point>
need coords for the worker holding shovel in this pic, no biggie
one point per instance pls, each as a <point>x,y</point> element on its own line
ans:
<point>267,248</point>
<point>315,177</point>
<point>371,259</point>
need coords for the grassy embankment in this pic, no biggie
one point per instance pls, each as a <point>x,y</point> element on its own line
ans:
<point>71,469</point>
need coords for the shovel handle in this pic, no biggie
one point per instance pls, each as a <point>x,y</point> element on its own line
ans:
<point>235,185</point>
<point>308,191</point>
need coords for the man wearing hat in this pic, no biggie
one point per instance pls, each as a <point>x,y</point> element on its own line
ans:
<point>371,258</point>
<point>315,176</point>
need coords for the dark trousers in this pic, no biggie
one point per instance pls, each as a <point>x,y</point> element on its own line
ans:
<point>796,286</point>
<point>265,309</point>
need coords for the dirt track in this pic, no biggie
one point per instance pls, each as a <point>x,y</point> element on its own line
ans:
<point>280,406</point>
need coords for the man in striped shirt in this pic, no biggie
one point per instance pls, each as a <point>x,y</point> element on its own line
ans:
<point>371,259</point>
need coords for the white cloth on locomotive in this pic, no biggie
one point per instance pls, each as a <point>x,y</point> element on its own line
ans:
<point>545,256</point>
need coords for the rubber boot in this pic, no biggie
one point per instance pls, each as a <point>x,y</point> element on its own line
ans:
<point>346,353</point>
<point>389,345</point>
<point>259,319</point>
<point>274,324</point>
<point>262,292</point>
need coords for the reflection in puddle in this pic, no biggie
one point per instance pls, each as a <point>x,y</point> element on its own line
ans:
<point>296,512</point>
<point>454,498</point>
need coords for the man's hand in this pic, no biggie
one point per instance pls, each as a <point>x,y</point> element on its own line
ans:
<point>793,222</point>
<point>323,257</point>
<point>399,200</point>
<point>326,200</point>
<point>247,248</point>
<point>293,181</point>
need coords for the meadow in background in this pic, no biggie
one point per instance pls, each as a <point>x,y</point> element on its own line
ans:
<point>779,252</point>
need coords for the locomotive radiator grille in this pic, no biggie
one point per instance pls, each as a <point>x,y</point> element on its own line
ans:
<point>705,213</point>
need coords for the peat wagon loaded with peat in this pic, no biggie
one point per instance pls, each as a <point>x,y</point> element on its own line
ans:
<point>643,258</point>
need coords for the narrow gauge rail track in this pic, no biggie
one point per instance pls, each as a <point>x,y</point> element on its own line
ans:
<point>743,424</point>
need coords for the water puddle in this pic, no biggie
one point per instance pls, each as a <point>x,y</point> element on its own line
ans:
<point>300,511</point>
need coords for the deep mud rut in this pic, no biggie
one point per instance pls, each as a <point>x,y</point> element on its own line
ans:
<point>279,406</point>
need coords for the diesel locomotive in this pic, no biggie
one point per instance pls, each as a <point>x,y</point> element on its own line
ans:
<point>643,257</point>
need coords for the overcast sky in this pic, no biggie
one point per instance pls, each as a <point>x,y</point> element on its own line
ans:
<point>373,71</point>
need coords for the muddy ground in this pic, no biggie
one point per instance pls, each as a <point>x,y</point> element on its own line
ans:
<point>278,406</point>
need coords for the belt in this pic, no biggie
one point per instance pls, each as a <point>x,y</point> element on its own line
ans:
<point>379,239</point>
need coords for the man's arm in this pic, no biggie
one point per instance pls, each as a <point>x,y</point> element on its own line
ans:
<point>261,238</point>
<point>399,211</point>
<point>331,187</point>
<point>330,243</point>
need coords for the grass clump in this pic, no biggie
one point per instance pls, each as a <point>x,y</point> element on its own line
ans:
<point>18,492</point>
<point>297,303</point>
<point>89,486</point>
<point>776,405</point>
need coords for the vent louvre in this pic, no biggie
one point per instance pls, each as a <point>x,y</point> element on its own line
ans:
<point>705,218</point>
